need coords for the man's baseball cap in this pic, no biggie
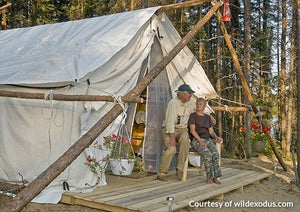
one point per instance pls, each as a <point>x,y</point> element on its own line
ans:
<point>185,87</point>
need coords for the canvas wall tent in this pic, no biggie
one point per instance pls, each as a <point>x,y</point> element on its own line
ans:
<point>101,56</point>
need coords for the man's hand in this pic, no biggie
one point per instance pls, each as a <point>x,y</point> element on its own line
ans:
<point>172,141</point>
<point>219,140</point>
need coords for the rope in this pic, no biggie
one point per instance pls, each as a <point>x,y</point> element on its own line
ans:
<point>118,99</point>
<point>239,103</point>
<point>49,95</point>
<point>226,106</point>
<point>259,116</point>
<point>7,194</point>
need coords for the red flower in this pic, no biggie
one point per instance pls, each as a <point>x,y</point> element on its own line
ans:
<point>266,130</point>
<point>89,159</point>
<point>255,127</point>
<point>243,129</point>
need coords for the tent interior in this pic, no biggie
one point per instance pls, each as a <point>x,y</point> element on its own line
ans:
<point>106,55</point>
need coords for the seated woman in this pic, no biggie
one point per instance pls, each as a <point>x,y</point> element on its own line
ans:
<point>201,129</point>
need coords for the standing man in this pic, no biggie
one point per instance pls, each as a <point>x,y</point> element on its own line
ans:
<point>175,131</point>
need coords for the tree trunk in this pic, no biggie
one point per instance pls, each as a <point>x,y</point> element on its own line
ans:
<point>278,67</point>
<point>266,60</point>
<point>3,11</point>
<point>123,3</point>
<point>298,90</point>
<point>247,61</point>
<point>132,3</point>
<point>283,100</point>
<point>218,83</point>
<point>291,82</point>
<point>218,87</point>
<point>200,43</point>
<point>181,21</point>
<point>44,179</point>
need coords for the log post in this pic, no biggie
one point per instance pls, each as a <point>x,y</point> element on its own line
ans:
<point>63,97</point>
<point>5,6</point>
<point>3,12</point>
<point>236,109</point>
<point>44,179</point>
<point>245,84</point>
<point>236,63</point>
<point>182,5</point>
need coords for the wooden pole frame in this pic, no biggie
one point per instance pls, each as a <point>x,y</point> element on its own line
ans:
<point>45,178</point>
<point>235,109</point>
<point>63,97</point>
<point>5,6</point>
<point>181,5</point>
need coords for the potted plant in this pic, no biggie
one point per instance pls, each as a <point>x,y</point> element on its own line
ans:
<point>122,155</point>
<point>121,158</point>
<point>258,136</point>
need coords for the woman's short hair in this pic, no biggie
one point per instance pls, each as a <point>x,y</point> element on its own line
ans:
<point>200,99</point>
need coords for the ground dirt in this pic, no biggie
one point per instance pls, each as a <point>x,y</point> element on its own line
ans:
<point>280,187</point>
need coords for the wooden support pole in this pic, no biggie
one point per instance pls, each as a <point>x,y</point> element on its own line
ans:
<point>44,179</point>
<point>63,97</point>
<point>182,5</point>
<point>5,6</point>
<point>236,109</point>
<point>245,84</point>
<point>3,13</point>
<point>236,63</point>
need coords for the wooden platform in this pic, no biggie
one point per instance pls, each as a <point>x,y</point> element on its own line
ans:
<point>150,195</point>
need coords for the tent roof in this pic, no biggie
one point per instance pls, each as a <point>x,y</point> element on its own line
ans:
<point>64,52</point>
<point>109,51</point>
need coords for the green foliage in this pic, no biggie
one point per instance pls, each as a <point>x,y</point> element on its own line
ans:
<point>268,151</point>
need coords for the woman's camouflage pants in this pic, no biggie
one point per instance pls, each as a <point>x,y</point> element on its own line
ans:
<point>211,157</point>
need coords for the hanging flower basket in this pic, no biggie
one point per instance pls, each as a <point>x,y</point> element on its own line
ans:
<point>258,137</point>
<point>121,157</point>
<point>121,166</point>
<point>259,146</point>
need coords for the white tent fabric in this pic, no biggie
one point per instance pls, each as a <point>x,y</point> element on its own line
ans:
<point>103,56</point>
<point>63,52</point>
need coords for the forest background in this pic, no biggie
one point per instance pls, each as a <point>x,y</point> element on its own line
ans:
<point>263,33</point>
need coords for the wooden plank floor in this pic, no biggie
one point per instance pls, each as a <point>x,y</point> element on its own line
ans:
<point>150,195</point>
